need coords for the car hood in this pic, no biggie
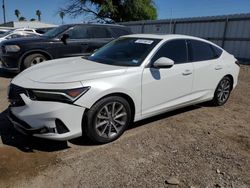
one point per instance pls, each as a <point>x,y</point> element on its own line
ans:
<point>27,40</point>
<point>70,70</point>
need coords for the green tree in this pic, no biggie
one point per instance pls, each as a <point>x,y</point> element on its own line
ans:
<point>112,10</point>
<point>22,18</point>
<point>61,14</point>
<point>38,13</point>
<point>17,13</point>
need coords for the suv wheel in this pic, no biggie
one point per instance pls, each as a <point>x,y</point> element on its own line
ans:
<point>33,59</point>
<point>108,119</point>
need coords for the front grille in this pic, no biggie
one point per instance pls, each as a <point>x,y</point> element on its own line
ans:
<point>14,95</point>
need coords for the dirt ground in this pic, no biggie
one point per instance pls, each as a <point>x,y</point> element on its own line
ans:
<point>198,146</point>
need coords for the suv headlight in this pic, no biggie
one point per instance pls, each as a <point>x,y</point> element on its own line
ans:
<point>12,48</point>
<point>67,96</point>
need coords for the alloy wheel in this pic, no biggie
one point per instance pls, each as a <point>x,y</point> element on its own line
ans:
<point>223,91</point>
<point>111,119</point>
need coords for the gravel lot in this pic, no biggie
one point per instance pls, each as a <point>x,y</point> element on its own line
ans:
<point>198,146</point>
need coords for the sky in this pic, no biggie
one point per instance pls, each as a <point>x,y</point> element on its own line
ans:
<point>166,9</point>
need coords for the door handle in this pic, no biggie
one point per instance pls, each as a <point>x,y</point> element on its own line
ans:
<point>187,72</point>
<point>219,67</point>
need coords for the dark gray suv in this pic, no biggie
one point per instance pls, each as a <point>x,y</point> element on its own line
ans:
<point>63,41</point>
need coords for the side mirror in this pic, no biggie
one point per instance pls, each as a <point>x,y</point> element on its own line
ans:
<point>64,38</point>
<point>163,62</point>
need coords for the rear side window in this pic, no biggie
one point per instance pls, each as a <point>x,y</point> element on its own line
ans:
<point>200,51</point>
<point>99,32</point>
<point>217,51</point>
<point>120,32</point>
<point>175,50</point>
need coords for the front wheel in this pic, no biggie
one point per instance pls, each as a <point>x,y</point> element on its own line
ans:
<point>108,119</point>
<point>222,91</point>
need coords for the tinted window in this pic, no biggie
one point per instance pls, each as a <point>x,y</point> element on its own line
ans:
<point>217,51</point>
<point>14,36</point>
<point>200,51</point>
<point>99,32</point>
<point>78,32</point>
<point>56,31</point>
<point>175,50</point>
<point>120,32</point>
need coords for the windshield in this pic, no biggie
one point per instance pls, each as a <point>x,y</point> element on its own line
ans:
<point>125,51</point>
<point>56,31</point>
<point>6,33</point>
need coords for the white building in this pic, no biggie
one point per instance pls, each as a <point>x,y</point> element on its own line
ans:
<point>27,24</point>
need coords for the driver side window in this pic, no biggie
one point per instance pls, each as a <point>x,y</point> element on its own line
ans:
<point>78,32</point>
<point>175,50</point>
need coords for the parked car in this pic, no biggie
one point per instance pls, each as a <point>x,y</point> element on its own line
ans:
<point>129,79</point>
<point>63,41</point>
<point>16,34</point>
<point>30,30</point>
<point>3,30</point>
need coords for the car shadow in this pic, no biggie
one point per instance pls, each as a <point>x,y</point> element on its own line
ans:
<point>11,137</point>
<point>164,115</point>
<point>24,143</point>
<point>86,142</point>
<point>5,74</point>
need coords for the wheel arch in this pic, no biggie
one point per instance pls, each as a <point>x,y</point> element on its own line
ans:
<point>119,94</point>
<point>231,78</point>
<point>38,51</point>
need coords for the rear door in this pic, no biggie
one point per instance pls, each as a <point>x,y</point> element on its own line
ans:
<point>208,70</point>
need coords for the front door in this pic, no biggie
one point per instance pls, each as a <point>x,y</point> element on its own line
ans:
<point>167,88</point>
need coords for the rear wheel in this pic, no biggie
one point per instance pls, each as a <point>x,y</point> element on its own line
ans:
<point>33,59</point>
<point>108,119</point>
<point>222,91</point>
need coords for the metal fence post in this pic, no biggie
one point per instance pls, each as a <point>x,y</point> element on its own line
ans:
<point>174,27</point>
<point>224,33</point>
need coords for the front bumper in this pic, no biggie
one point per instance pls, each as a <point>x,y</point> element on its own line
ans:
<point>10,62</point>
<point>38,118</point>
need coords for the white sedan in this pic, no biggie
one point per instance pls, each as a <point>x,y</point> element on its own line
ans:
<point>129,79</point>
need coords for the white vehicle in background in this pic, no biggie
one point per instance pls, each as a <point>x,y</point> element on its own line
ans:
<point>29,30</point>
<point>17,34</point>
<point>127,80</point>
<point>4,30</point>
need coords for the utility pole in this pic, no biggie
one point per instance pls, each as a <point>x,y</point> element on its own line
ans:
<point>4,17</point>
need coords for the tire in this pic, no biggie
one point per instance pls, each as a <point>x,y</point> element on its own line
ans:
<point>33,59</point>
<point>222,92</point>
<point>107,119</point>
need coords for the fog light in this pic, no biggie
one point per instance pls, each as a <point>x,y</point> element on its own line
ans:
<point>44,130</point>
<point>61,127</point>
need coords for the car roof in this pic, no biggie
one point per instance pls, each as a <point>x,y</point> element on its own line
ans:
<point>169,37</point>
<point>96,24</point>
<point>163,36</point>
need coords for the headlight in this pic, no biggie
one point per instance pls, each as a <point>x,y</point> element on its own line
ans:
<point>12,48</point>
<point>68,96</point>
